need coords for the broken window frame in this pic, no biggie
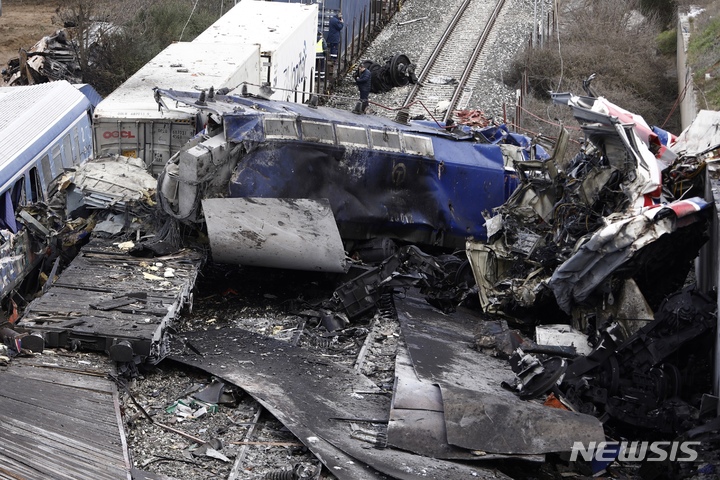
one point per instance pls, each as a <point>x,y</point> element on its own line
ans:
<point>288,128</point>
<point>34,186</point>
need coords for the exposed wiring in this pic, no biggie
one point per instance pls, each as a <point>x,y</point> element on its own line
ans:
<point>680,98</point>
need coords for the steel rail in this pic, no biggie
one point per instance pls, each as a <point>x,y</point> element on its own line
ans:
<point>469,66</point>
<point>473,60</point>
<point>437,51</point>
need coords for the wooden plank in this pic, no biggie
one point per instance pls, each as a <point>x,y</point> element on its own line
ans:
<point>60,428</point>
<point>91,432</point>
<point>55,460</point>
<point>65,376</point>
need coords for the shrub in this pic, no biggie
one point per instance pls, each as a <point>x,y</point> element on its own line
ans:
<point>141,30</point>
<point>603,37</point>
<point>667,42</point>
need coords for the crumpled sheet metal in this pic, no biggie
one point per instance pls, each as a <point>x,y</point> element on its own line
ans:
<point>53,58</point>
<point>417,419</point>
<point>307,395</point>
<point>609,248</point>
<point>479,414</point>
<point>600,110</point>
<point>491,423</point>
<point>489,264</point>
<point>608,201</point>
<point>114,181</point>
<point>701,136</point>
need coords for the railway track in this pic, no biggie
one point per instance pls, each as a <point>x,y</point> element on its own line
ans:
<point>447,74</point>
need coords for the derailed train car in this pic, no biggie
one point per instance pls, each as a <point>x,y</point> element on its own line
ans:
<point>44,131</point>
<point>410,182</point>
<point>603,236</point>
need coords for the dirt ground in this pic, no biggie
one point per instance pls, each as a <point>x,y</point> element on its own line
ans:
<point>23,23</point>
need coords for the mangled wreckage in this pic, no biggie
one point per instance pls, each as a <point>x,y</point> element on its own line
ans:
<point>603,240</point>
<point>588,234</point>
<point>52,58</point>
<point>54,124</point>
<point>397,71</point>
<point>54,197</point>
<point>409,182</point>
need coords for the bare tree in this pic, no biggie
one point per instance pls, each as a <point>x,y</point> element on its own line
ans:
<point>88,21</point>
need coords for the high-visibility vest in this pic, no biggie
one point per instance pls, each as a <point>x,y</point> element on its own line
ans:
<point>319,46</point>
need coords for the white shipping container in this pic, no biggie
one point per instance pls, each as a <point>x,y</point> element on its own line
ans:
<point>286,33</point>
<point>129,121</point>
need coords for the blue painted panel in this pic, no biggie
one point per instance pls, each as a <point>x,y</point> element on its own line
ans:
<point>375,193</point>
<point>90,93</point>
<point>418,183</point>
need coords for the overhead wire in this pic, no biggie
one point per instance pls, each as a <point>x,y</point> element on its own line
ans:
<point>188,21</point>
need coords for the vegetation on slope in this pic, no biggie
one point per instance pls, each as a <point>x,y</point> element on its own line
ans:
<point>704,55</point>
<point>117,38</point>
<point>627,50</point>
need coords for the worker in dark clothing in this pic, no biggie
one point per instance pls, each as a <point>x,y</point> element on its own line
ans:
<point>363,79</point>
<point>333,37</point>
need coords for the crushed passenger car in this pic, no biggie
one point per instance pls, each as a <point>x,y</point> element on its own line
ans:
<point>579,232</point>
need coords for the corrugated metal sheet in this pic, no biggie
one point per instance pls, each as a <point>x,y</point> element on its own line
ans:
<point>701,136</point>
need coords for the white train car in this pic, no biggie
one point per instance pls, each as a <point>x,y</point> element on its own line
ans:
<point>45,129</point>
<point>286,33</point>
<point>130,122</point>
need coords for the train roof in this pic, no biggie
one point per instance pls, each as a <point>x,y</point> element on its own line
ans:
<point>269,24</point>
<point>183,65</point>
<point>31,117</point>
<point>237,105</point>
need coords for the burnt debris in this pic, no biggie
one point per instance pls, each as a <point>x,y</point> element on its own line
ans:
<point>52,58</point>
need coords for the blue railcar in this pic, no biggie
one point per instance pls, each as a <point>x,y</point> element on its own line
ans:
<point>45,129</point>
<point>410,182</point>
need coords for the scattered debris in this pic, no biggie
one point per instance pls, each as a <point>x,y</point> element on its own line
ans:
<point>106,301</point>
<point>472,118</point>
<point>33,227</point>
<point>602,240</point>
<point>311,396</point>
<point>52,58</point>
<point>651,380</point>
